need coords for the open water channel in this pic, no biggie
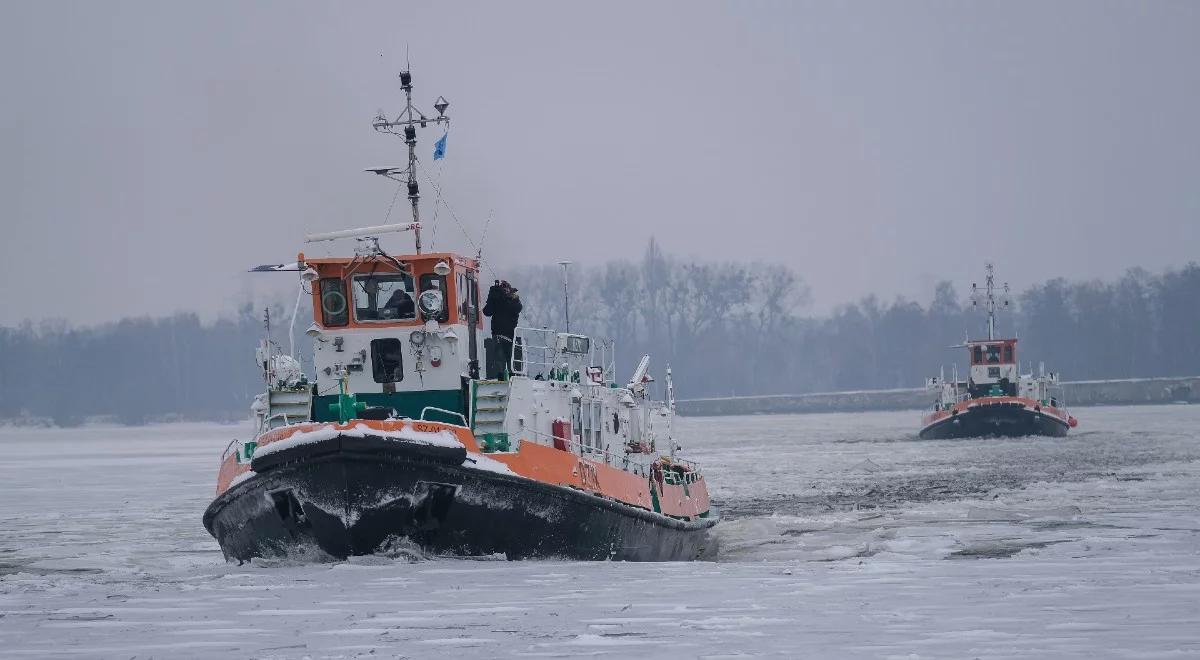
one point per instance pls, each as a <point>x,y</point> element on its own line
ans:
<point>843,537</point>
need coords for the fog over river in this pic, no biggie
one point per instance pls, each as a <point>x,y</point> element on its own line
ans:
<point>843,536</point>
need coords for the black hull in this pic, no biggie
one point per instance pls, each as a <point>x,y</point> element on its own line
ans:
<point>1005,420</point>
<point>357,496</point>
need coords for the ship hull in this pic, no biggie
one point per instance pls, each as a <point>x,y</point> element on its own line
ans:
<point>999,419</point>
<point>350,496</point>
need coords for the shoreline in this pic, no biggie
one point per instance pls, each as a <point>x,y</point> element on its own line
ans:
<point>1084,393</point>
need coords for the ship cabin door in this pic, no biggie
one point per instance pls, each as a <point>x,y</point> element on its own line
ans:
<point>588,419</point>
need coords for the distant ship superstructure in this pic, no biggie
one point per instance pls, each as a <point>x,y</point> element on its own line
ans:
<point>996,399</point>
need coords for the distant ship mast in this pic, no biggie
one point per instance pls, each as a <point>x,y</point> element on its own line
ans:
<point>405,124</point>
<point>989,299</point>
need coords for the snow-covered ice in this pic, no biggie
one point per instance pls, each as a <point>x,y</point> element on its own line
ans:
<point>843,537</point>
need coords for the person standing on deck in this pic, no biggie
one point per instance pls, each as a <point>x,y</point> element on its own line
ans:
<point>503,305</point>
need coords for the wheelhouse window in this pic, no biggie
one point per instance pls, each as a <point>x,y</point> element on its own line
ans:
<point>334,310</point>
<point>387,360</point>
<point>577,344</point>
<point>384,297</point>
<point>430,281</point>
<point>1008,353</point>
<point>466,296</point>
<point>993,353</point>
<point>977,355</point>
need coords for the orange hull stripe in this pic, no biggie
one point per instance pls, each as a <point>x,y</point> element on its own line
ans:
<point>533,461</point>
<point>988,400</point>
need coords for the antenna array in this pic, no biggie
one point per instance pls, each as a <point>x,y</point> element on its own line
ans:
<point>989,299</point>
<point>405,125</point>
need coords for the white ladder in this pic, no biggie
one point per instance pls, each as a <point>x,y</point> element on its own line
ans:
<point>491,407</point>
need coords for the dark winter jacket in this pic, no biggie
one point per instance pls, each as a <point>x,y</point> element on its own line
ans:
<point>504,307</point>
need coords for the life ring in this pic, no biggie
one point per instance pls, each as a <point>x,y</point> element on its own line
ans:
<point>333,302</point>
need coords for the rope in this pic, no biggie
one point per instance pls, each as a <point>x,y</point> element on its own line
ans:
<point>488,223</point>
<point>393,204</point>
<point>433,223</point>
<point>439,199</point>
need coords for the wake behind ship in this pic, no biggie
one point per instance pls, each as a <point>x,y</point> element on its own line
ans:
<point>398,440</point>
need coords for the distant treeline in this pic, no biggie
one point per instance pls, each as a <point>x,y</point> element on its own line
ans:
<point>734,328</point>
<point>725,328</point>
<point>133,371</point>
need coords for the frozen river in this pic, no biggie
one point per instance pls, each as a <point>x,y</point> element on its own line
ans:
<point>844,537</point>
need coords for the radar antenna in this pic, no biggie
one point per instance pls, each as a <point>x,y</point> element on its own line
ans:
<point>405,125</point>
<point>990,299</point>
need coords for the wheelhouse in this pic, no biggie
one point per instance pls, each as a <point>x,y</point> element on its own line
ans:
<point>380,291</point>
<point>1003,351</point>
<point>993,367</point>
<point>394,331</point>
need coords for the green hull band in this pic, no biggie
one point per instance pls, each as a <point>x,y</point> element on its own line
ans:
<point>407,404</point>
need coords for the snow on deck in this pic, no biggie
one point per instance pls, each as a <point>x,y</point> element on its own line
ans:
<point>477,461</point>
<point>406,433</point>
<point>844,537</point>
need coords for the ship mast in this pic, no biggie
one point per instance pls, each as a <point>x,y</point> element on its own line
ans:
<point>405,125</point>
<point>990,299</point>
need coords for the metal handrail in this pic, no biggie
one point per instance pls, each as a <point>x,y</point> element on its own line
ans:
<point>581,450</point>
<point>568,441</point>
<point>677,479</point>
<point>448,412</point>
<point>544,353</point>
<point>690,465</point>
<point>1059,390</point>
<point>286,421</point>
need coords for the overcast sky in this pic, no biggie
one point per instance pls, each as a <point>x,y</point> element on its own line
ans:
<point>151,152</point>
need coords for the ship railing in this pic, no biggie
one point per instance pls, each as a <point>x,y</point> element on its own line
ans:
<point>689,476</point>
<point>676,478</point>
<point>691,467</point>
<point>533,348</point>
<point>536,351</point>
<point>604,356</point>
<point>1054,395</point>
<point>274,421</point>
<point>947,401</point>
<point>450,413</point>
<point>691,472</point>
<point>585,451</point>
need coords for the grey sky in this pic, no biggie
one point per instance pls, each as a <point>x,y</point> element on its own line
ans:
<point>150,152</point>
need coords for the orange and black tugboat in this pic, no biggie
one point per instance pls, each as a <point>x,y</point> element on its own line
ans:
<point>398,440</point>
<point>996,399</point>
